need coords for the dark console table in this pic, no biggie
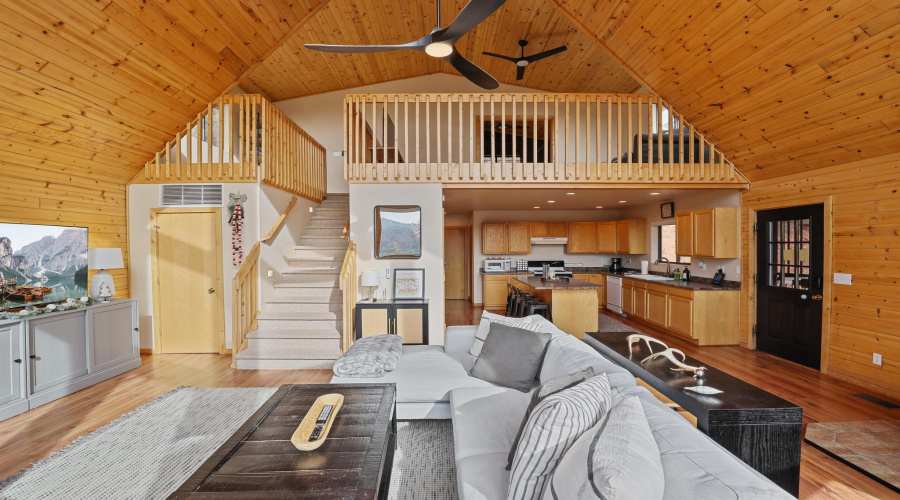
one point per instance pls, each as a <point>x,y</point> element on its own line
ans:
<point>259,461</point>
<point>758,427</point>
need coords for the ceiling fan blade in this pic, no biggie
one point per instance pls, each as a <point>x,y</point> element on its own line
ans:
<point>520,72</point>
<point>513,59</point>
<point>470,16</point>
<point>364,49</point>
<point>546,53</point>
<point>468,69</point>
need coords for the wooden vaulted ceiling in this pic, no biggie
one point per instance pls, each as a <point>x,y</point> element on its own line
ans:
<point>294,71</point>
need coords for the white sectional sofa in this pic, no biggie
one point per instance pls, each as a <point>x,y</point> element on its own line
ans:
<point>433,383</point>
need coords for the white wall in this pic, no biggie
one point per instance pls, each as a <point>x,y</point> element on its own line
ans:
<point>322,115</point>
<point>538,252</point>
<point>651,212</point>
<point>363,199</point>
<point>142,198</point>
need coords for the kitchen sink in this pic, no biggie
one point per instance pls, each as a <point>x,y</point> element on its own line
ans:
<point>650,277</point>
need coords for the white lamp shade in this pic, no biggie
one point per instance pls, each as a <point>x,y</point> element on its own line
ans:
<point>370,278</point>
<point>105,258</point>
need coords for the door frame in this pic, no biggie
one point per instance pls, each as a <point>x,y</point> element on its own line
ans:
<point>467,244</point>
<point>154,270</point>
<point>827,203</point>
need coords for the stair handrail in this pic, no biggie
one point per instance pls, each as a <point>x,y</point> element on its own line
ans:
<point>348,285</point>
<point>280,221</point>
<point>244,302</point>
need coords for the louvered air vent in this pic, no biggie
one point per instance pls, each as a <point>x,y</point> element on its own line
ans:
<point>191,195</point>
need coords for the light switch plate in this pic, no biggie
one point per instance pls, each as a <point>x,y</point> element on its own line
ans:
<point>876,359</point>
<point>270,273</point>
<point>338,153</point>
<point>843,279</point>
<point>387,273</point>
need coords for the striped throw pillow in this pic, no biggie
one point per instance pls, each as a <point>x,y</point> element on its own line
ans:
<point>485,327</point>
<point>554,425</point>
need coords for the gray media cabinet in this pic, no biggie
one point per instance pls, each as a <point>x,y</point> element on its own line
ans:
<point>46,357</point>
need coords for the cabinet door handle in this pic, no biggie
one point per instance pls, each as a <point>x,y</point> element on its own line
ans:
<point>17,361</point>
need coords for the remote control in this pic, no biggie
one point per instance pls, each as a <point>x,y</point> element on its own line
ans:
<point>323,417</point>
<point>315,433</point>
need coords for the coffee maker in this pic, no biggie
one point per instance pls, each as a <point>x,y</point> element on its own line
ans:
<point>615,264</point>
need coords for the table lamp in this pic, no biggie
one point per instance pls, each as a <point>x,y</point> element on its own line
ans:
<point>370,280</point>
<point>102,286</point>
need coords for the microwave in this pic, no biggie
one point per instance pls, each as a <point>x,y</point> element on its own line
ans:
<point>496,265</point>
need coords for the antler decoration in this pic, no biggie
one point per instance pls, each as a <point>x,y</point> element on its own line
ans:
<point>669,353</point>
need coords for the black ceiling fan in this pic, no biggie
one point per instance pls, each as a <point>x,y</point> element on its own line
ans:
<point>440,42</point>
<point>522,62</point>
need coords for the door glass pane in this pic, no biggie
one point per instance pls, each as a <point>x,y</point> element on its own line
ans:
<point>789,254</point>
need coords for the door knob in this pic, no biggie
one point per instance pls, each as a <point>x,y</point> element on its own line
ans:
<point>817,297</point>
<point>212,290</point>
<point>17,361</point>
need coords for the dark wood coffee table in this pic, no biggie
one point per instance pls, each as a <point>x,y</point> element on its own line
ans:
<point>758,427</point>
<point>259,461</point>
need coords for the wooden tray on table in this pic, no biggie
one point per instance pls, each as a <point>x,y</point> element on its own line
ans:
<point>300,438</point>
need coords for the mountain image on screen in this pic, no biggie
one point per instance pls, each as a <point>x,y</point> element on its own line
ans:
<point>45,256</point>
<point>399,238</point>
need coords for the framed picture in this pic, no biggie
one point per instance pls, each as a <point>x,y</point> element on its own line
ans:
<point>409,284</point>
<point>667,209</point>
<point>398,232</point>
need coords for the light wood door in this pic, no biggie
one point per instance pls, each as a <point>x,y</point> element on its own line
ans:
<point>188,290</point>
<point>558,229</point>
<point>582,237</point>
<point>622,236</point>
<point>494,239</point>
<point>519,237</point>
<point>656,307</point>
<point>606,237</point>
<point>455,263</point>
<point>704,237</point>
<point>680,315</point>
<point>684,234</point>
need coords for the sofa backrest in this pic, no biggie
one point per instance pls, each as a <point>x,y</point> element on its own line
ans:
<point>566,355</point>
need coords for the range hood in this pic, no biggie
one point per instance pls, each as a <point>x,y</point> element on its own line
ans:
<point>559,240</point>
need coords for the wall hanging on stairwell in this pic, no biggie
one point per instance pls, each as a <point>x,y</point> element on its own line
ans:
<point>236,220</point>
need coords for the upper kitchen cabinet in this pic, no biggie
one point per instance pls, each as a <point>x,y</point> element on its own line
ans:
<point>684,233</point>
<point>505,238</point>
<point>631,236</point>
<point>494,239</point>
<point>549,230</point>
<point>714,233</point>
<point>582,237</point>
<point>519,237</point>
<point>606,237</point>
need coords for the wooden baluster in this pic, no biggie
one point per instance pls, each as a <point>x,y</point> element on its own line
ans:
<point>556,136</point>
<point>347,139</point>
<point>190,142</point>
<point>449,138</point>
<point>209,136</point>
<point>619,135</point>
<point>721,166</point>
<point>577,136</point>
<point>703,157</point>
<point>512,168</point>
<point>493,138</point>
<point>566,140</point>
<point>385,123</point>
<point>598,155</point>
<point>365,135</point>
<point>481,127</point>
<point>548,147</point>
<point>534,136</point>
<point>459,119</point>
<point>637,143</point>
<point>221,121</point>
<point>428,136</point>
<point>503,136</point>
<point>609,128</point>
<point>659,137</point>
<point>471,137</point>
<point>627,138</point>
<point>406,135</point>
<point>418,149</point>
<point>251,174</point>
<point>671,141</point>
<point>437,137</point>
<point>681,150</point>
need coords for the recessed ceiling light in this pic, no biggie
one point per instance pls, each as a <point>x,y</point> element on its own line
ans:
<point>653,194</point>
<point>570,194</point>
<point>551,201</point>
<point>623,201</point>
<point>537,207</point>
<point>599,207</point>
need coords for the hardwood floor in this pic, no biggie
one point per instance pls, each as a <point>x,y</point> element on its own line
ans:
<point>823,398</point>
<point>36,434</point>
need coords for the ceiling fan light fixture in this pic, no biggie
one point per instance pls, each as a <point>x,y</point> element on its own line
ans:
<point>439,49</point>
<point>521,63</point>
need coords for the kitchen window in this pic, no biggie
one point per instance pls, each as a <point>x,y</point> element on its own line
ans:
<point>665,240</point>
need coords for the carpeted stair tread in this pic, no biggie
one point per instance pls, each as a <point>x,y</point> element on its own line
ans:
<point>300,316</point>
<point>296,354</point>
<point>295,333</point>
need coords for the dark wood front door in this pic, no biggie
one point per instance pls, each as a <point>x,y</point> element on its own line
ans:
<point>789,283</point>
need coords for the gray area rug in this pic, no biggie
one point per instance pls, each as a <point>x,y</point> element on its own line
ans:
<point>607,324</point>
<point>149,452</point>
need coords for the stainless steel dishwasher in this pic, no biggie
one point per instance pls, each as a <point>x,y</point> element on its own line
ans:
<point>614,294</point>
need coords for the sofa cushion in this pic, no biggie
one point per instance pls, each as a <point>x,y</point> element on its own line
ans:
<point>511,356</point>
<point>554,425</point>
<point>485,419</point>
<point>425,374</point>
<point>566,355</point>
<point>484,328</point>
<point>617,458</point>
<point>546,389</point>
<point>482,477</point>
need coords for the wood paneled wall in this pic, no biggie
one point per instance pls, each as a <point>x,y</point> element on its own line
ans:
<point>863,317</point>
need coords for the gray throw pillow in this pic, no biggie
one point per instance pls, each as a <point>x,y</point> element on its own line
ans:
<point>546,389</point>
<point>511,356</point>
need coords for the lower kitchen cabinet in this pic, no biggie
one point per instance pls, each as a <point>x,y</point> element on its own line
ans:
<point>46,357</point>
<point>495,290</point>
<point>680,315</point>
<point>656,305</point>
<point>639,300</point>
<point>597,279</point>
<point>406,318</point>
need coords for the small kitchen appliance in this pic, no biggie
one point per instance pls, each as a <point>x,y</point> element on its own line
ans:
<point>496,265</point>
<point>554,267</point>
<point>615,264</point>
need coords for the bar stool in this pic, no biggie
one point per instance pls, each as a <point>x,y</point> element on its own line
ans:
<point>526,300</point>
<point>541,308</point>
<point>510,299</point>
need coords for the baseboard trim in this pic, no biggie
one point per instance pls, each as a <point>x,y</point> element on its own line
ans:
<point>475,304</point>
<point>146,352</point>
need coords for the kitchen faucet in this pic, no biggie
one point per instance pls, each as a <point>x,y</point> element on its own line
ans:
<point>668,265</point>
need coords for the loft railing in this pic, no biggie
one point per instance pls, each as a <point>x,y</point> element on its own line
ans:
<point>349,287</point>
<point>242,138</point>
<point>245,302</point>
<point>527,138</point>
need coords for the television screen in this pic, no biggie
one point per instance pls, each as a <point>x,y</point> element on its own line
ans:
<point>41,264</point>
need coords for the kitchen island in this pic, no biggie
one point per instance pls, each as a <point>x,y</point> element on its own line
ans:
<point>573,303</point>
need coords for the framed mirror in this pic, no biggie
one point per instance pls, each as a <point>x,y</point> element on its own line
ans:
<point>398,232</point>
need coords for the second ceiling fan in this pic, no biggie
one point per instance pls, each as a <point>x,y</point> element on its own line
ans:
<point>523,61</point>
<point>440,42</point>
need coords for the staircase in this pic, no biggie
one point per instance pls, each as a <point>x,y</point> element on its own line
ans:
<point>300,327</point>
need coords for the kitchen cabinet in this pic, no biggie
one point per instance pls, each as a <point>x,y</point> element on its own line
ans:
<point>715,233</point>
<point>519,237</point>
<point>549,229</point>
<point>495,290</point>
<point>494,238</point>
<point>405,318</point>
<point>599,279</point>
<point>656,305</point>
<point>684,234</point>
<point>582,238</point>
<point>631,236</point>
<point>13,399</point>
<point>606,237</point>
<point>628,297</point>
<point>640,301</point>
<point>680,315</point>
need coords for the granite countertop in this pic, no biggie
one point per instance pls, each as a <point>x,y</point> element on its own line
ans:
<point>696,283</point>
<point>505,273</point>
<point>560,284</point>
